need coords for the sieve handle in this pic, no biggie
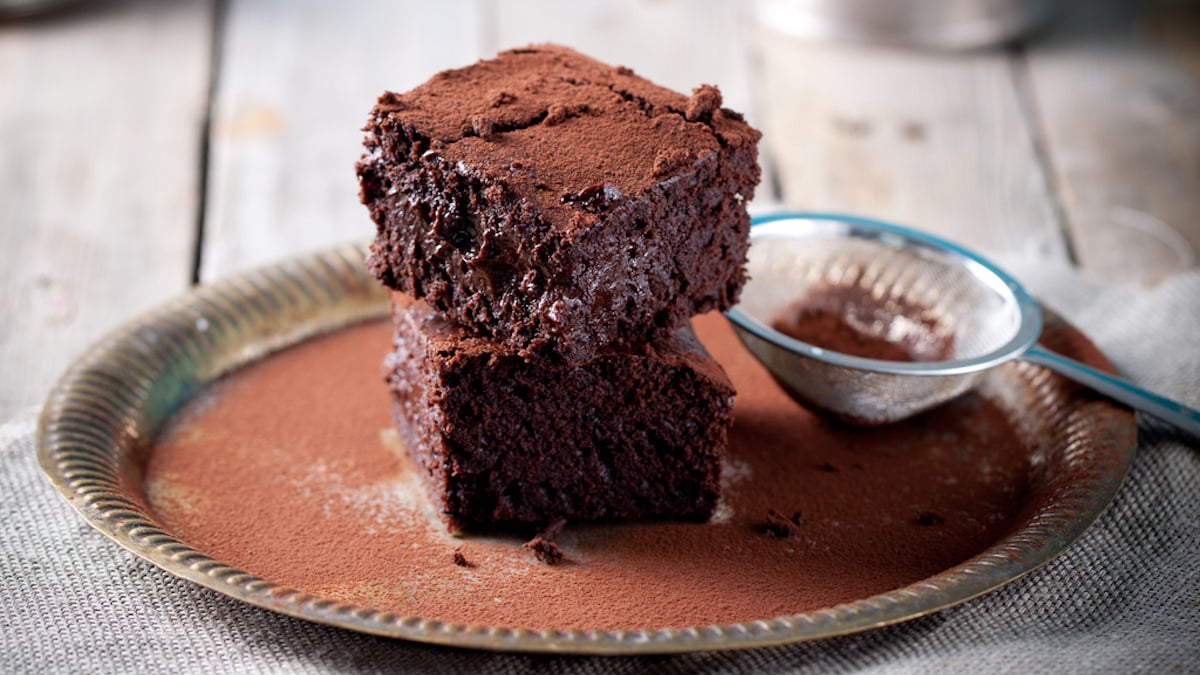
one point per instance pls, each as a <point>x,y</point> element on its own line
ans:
<point>1164,409</point>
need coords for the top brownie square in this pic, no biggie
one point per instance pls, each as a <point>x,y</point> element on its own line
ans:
<point>558,204</point>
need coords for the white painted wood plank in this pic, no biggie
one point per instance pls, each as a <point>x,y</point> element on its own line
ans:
<point>296,81</point>
<point>100,123</point>
<point>937,141</point>
<point>1120,112</point>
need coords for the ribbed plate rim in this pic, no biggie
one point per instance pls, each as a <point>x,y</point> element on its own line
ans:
<point>94,423</point>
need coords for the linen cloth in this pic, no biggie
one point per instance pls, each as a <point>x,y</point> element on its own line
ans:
<point>1124,598</point>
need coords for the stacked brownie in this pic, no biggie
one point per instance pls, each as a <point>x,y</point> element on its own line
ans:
<point>548,225</point>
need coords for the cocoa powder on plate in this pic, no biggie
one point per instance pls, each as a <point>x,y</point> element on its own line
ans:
<point>288,469</point>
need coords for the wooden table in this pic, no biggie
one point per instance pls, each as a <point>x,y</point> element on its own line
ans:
<point>146,146</point>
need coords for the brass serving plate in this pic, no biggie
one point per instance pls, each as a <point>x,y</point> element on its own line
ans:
<point>96,427</point>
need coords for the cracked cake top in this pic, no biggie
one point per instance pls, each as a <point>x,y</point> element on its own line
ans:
<point>572,135</point>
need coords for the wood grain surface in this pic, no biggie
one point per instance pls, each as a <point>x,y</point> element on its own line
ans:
<point>101,116</point>
<point>1121,119</point>
<point>931,140</point>
<point>297,80</point>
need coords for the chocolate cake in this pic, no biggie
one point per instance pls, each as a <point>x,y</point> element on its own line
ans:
<point>636,432</point>
<point>559,205</point>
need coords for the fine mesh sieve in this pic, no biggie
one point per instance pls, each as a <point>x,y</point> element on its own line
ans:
<point>955,313</point>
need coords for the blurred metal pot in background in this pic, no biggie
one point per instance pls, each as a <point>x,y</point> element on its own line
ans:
<point>20,9</point>
<point>935,24</point>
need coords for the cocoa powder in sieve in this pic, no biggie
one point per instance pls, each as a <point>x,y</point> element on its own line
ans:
<point>828,330</point>
<point>289,469</point>
<point>836,319</point>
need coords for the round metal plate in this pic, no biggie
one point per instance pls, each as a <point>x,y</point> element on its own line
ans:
<point>95,431</point>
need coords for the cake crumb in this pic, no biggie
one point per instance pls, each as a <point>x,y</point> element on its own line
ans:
<point>555,114</point>
<point>501,98</point>
<point>392,102</point>
<point>483,127</point>
<point>558,113</point>
<point>461,560</point>
<point>780,526</point>
<point>543,546</point>
<point>705,100</point>
<point>545,551</point>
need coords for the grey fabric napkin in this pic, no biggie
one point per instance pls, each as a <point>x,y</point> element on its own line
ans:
<point>1125,598</point>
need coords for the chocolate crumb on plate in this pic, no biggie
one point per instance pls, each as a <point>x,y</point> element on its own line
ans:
<point>545,551</point>
<point>461,560</point>
<point>543,546</point>
<point>781,526</point>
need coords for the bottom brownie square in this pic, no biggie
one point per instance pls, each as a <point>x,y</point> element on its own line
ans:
<point>636,432</point>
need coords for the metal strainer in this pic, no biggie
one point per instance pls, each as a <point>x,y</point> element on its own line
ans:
<point>958,313</point>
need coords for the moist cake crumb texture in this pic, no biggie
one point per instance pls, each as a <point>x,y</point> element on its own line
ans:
<point>559,204</point>
<point>549,225</point>
<point>634,433</point>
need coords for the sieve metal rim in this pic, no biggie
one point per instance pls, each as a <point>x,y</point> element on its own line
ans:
<point>898,237</point>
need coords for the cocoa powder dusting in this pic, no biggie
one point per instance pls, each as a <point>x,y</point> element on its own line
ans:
<point>289,470</point>
<point>851,321</point>
<point>828,330</point>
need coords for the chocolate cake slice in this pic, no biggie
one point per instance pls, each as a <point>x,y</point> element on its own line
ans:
<point>637,432</point>
<point>557,204</point>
